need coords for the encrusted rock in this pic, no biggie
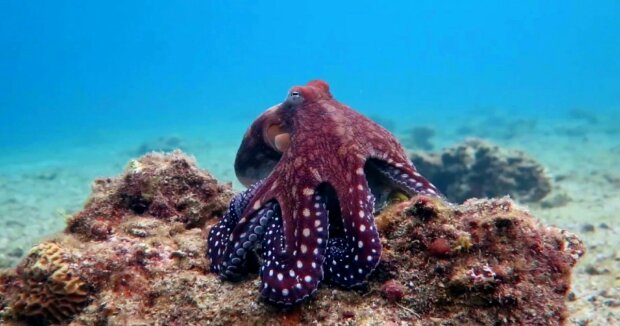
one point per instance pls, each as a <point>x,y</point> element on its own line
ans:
<point>136,255</point>
<point>479,169</point>
<point>490,262</point>
<point>168,187</point>
<point>105,245</point>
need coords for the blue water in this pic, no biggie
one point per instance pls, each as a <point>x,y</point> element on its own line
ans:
<point>87,85</point>
<point>91,70</point>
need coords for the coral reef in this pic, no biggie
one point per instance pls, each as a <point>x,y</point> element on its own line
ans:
<point>420,137</point>
<point>483,262</point>
<point>136,255</point>
<point>497,124</point>
<point>167,187</point>
<point>163,144</point>
<point>585,115</point>
<point>479,169</point>
<point>131,227</point>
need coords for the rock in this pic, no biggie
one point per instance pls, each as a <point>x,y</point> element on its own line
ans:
<point>583,115</point>
<point>439,248</point>
<point>420,138</point>
<point>348,314</point>
<point>571,296</point>
<point>557,200</point>
<point>393,291</point>
<point>16,252</point>
<point>588,228</point>
<point>135,254</point>
<point>593,270</point>
<point>479,169</point>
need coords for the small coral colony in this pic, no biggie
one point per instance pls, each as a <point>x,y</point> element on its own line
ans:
<point>317,172</point>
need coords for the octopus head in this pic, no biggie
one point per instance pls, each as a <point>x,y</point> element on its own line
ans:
<point>270,135</point>
<point>314,91</point>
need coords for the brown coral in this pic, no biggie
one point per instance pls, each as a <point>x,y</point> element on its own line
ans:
<point>50,287</point>
<point>148,265</point>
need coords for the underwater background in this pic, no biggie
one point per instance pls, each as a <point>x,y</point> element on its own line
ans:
<point>87,86</point>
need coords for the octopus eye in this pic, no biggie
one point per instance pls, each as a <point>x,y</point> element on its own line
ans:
<point>294,97</point>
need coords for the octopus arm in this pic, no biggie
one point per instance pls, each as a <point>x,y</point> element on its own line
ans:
<point>405,176</point>
<point>245,238</point>
<point>352,256</point>
<point>292,267</point>
<point>220,233</point>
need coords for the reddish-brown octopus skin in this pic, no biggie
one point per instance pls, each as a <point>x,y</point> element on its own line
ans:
<point>299,148</point>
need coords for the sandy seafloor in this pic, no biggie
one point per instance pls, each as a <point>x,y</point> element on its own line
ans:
<point>40,185</point>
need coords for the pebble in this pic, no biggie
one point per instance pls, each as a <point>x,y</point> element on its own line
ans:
<point>587,228</point>
<point>439,247</point>
<point>138,232</point>
<point>16,252</point>
<point>392,291</point>
<point>593,270</point>
<point>604,226</point>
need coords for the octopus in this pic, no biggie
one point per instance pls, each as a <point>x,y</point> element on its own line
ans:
<point>317,172</point>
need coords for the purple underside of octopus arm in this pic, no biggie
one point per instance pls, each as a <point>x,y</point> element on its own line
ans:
<point>220,233</point>
<point>408,179</point>
<point>252,231</point>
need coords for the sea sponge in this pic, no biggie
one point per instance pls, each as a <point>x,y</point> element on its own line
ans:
<point>51,287</point>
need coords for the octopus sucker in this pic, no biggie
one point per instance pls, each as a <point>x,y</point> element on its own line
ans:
<point>220,233</point>
<point>246,239</point>
<point>404,177</point>
<point>317,172</point>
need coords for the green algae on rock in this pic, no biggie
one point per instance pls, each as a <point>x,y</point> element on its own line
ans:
<point>137,253</point>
